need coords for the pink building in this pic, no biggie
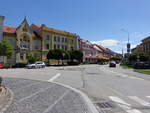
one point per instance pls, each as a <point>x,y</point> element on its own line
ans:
<point>91,52</point>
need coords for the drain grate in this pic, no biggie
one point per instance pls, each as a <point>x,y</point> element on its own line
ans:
<point>105,105</point>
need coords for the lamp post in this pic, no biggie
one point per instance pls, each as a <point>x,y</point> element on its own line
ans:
<point>128,44</point>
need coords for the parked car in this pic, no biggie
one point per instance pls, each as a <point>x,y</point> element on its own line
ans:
<point>112,64</point>
<point>1,66</point>
<point>19,65</point>
<point>142,65</point>
<point>38,64</point>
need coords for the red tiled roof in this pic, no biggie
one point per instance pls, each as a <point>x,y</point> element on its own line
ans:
<point>8,29</point>
<point>37,25</point>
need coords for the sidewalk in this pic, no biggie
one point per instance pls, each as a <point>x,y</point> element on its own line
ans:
<point>32,96</point>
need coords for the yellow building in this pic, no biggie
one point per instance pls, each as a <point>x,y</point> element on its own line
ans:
<point>37,39</point>
<point>55,39</point>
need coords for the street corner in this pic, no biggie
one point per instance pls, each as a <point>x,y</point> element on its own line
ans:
<point>31,96</point>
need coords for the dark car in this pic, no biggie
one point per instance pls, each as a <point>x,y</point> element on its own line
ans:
<point>142,65</point>
<point>112,64</point>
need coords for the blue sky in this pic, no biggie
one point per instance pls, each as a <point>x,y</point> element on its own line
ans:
<point>100,21</point>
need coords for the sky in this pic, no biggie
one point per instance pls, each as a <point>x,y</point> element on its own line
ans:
<point>99,21</point>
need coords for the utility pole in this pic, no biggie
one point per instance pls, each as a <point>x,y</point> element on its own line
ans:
<point>128,44</point>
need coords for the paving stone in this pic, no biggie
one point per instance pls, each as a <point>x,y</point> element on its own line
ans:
<point>42,97</point>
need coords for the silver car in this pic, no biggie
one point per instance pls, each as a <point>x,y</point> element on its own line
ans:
<point>38,64</point>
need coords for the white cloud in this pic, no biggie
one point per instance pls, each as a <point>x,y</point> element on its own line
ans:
<point>133,46</point>
<point>107,43</point>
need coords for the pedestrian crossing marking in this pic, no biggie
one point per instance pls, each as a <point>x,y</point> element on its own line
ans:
<point>140,101</point>
<point>124,105</point>
<point>133,111</point>
<point>148,96</point>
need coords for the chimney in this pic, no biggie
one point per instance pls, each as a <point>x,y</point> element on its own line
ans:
<point>1,26</point>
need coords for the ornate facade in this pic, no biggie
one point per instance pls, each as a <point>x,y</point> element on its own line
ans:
<point>38,39</point>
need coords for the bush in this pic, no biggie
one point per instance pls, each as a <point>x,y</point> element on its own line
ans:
<point>19,65</point>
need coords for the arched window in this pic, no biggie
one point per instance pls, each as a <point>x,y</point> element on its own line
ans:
<point>24,38</point>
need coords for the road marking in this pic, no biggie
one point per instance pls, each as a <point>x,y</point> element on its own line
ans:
<point>118,100</point>
<point>140,101</point>
<point>55,102</point>
<point>121,74</point>
<point>148,96</point>
<point>134,111</point>
<point>33,94</point>
<point>136,78</point>
<point>54,77</point>
<point>125,106</point>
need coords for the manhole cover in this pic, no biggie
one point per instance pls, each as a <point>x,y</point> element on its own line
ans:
<point>105,105</point>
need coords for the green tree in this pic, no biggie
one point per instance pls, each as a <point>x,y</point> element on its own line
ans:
<point>76,55</point>
<point>32,57</point>
<point>56,54</point>
<point>6,49</point>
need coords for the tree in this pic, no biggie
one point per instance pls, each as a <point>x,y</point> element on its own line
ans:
<point>6,49</point>
<point>76,55</point>
<point>55,54</point>
<point>32,57</point>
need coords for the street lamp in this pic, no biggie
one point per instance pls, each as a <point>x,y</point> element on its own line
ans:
<point>128,44</point>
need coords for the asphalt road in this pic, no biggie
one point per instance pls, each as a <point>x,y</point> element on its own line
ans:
<point>113,90</point>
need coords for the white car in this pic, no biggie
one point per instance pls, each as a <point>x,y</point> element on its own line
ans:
<point>38,64</point>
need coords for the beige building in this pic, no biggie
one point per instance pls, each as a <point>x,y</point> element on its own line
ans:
<point>38,39</point>
<point>55,39</point>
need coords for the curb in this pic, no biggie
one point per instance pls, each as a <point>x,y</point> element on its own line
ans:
<point>89,103</point>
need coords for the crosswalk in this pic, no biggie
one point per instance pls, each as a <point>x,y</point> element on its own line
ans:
<point>118,74</point>
<point>128,104</point>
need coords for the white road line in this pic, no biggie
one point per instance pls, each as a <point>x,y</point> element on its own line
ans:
<point>125,106</point>
<point>54,77</point>
<point>118,100</point>
<point>134,111</point>
<point>122,75</point>
<point>136,78</point>
<point>140,101</point>
<point>148,96</point>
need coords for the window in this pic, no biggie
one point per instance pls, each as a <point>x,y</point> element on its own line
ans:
<point>58,39</point>
<point>47,46</point>
<point>72,41</point>
<point>21,56</point>
<point>24,38</point>
<point>36,47</point>
<point>54,46</point>
<point>58,46</point>
<point>55,38</point>
<point>62,46</point>
<point>47,37</point>
<point>62,39</point>
<point>66,40</point>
